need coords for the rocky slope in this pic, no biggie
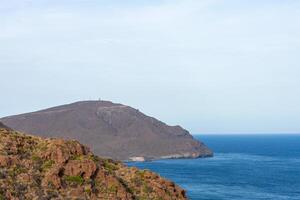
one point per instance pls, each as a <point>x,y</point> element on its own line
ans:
<point>3,126</point>
<point>111,130</point>
<point>36,168</point>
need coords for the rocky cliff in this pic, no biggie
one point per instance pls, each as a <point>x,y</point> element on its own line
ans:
<point>36,168</point>
<point>111,130</point>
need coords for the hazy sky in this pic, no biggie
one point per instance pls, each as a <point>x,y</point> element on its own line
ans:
<point>212,66</point>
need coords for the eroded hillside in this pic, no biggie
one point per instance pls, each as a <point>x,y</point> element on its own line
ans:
<point>35,168</point>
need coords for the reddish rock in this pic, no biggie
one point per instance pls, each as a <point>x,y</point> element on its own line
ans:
<point>36,168</point>
<point>6,161</point>
<point>84,168</point>
<point>52,178</point>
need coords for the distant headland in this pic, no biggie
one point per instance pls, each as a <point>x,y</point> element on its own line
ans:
<point>111,130</point>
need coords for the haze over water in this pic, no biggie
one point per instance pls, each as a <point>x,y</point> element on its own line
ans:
<point>263,167</point>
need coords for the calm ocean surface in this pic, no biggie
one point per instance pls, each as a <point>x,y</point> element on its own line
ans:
<point>245,167</point>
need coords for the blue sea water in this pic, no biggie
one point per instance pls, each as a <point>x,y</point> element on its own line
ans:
<point>245,167</point>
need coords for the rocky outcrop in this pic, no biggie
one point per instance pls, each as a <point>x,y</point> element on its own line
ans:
<point>36,168</point>
<point>111,130</point>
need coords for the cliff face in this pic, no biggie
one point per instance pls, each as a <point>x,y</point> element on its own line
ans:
<point>111,130</point>
<point>36,168</point>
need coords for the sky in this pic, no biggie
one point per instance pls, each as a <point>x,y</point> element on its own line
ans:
<point>211,66</point>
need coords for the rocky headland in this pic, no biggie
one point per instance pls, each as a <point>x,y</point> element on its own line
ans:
<point>111,130</point>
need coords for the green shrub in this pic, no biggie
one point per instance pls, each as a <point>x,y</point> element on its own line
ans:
<point>141,173</point>
<point>113,189</point>
<point>88,190</point>
<point>16,171</point>
<point>147,189</point>
<point>46,165</point>
<point>94,158</point>
<point>76,157</point>
<point>75,179</point>
<point>110,166</point>
<point>35,158</point>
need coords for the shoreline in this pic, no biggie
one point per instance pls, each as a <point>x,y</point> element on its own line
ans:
<point>171,157</point>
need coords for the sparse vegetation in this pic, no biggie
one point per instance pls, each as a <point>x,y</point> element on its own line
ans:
<point>34,168</point>
<point>46,165</point>
<point>76,157</point>
<point>2,197</point>
<point>74,179</point>
<point>88,190</point>
<point>113,189</point>
<point>147,189</point>
<point>109,166</point>
<point>94,158</point>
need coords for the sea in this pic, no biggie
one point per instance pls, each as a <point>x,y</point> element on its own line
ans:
<point>244,167</point>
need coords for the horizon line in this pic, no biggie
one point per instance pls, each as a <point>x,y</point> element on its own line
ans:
<point>243,133</point>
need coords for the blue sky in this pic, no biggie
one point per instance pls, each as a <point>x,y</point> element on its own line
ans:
<point>217,66</point>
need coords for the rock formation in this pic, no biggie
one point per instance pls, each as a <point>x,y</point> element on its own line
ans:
<point>36,168</point>
<point>111,130</point>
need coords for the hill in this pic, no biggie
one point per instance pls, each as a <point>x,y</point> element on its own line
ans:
<point>3,126</point>
<point>36,168</point>
<point>111,130</point>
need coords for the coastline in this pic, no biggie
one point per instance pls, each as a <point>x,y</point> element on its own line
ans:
<point>169,157</point>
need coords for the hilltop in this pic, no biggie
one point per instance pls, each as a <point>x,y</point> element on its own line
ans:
<point>35,168</point>
<point>111,130</point>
